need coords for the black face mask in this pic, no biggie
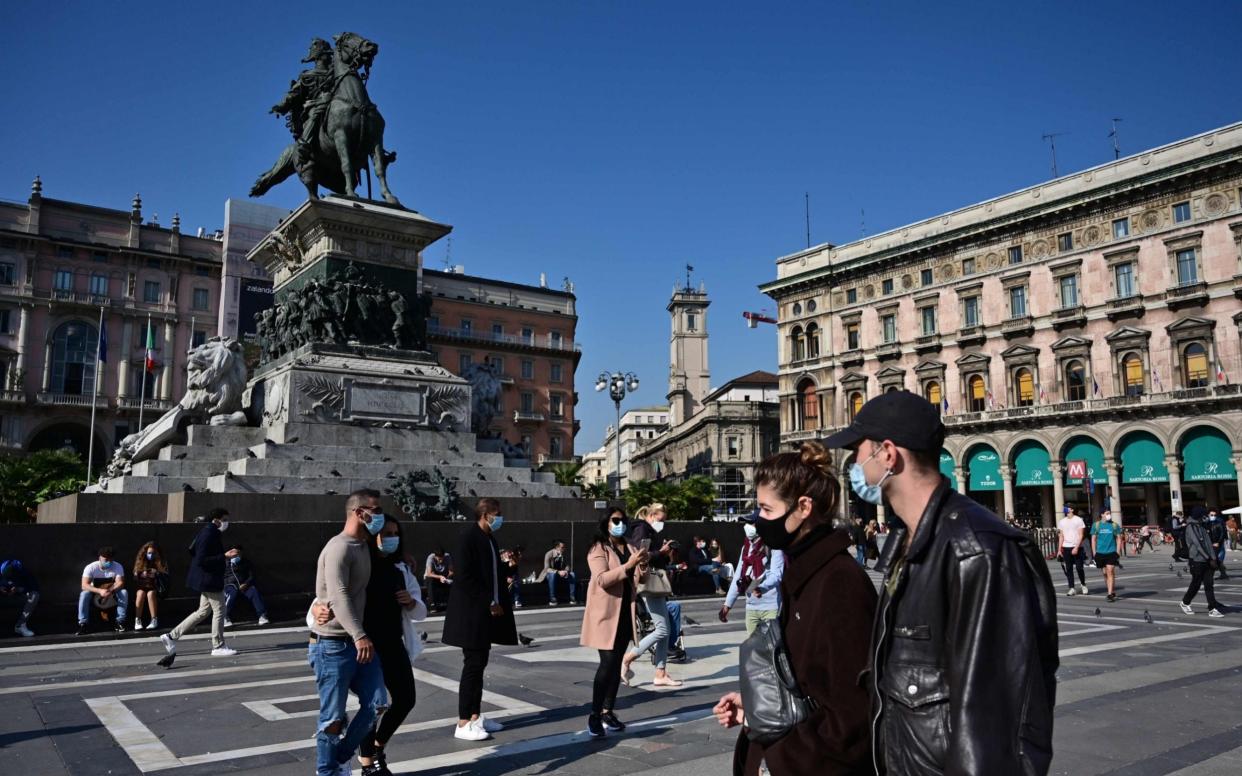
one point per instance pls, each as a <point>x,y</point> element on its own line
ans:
<point>773,532</point>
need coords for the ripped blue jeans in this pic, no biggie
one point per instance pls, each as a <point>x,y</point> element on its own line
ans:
<point>337,673</point>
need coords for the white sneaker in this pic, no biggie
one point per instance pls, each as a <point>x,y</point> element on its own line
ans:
<point>223,652</point>
<point>228,623</point>
<point>1082,589</point>
<point>263,620</point>
<point>153,624</point>
<point>551,603</point>
<point>471,731</point>
<point>1215,613</point>
<point>1072,591</point>
<point>22,630</point>
<point>1186,608</point>
<point>170,646</point>
<point>491,726</point>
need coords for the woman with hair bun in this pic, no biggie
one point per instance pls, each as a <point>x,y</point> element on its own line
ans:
<point>828,604</point>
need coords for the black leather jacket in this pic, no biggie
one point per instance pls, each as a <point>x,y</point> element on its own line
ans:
<point>964,647</point>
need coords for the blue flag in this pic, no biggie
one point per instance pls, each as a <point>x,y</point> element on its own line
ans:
<point>103,343</point>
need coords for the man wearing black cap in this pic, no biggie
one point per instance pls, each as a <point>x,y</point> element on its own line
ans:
<point>964,646</point>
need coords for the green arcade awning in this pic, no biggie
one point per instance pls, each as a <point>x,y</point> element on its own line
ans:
<point>985,470</point>
<point>1142,459</point>
<point>1032,466</point>
<point>1083,448</point>
<point>1207,455</point>
<point>946,468</point>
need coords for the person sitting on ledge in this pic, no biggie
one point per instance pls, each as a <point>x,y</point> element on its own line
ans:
<point>104,578</point>
<point>556,568</point>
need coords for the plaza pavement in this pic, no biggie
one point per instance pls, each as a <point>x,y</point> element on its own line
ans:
<point>1136,698</point>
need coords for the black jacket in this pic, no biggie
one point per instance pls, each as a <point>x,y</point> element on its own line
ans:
<point>964,647</point>
<point>206,574</point>
<point>238,572</point>
<point>469,623</point>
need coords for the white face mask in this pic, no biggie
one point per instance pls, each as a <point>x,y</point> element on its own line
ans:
<point>750,531</point>
<point>657,526</point>
<point>224,526</point>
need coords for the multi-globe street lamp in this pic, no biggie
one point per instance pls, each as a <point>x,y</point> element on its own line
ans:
<point>618,385</point>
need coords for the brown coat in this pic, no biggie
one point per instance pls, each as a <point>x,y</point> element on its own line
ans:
<point>827,605</point>
<point>604,594</point>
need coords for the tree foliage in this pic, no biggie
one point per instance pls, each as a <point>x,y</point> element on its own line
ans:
<point>567,474</point>
<point>28,480</point>
<point>690,499</point>
<point>597,491</point>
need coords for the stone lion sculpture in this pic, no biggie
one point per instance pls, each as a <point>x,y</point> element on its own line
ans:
<point>216,373</point>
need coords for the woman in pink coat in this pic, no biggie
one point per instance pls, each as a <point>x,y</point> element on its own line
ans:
<point>608,622</point>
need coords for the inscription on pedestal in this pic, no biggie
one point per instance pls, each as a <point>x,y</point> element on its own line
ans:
<point>380,401</point>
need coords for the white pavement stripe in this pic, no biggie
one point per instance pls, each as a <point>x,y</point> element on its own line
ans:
<point>123,642</point>
<point>1198,633</point>
<point>142,746</point>
<point>161,676</point>
<point>472,756</point>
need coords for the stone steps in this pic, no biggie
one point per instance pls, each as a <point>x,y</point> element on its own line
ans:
<point>369,470</point>
<point>343,485</point>
<point>324,435</point>
<point>370,455</point>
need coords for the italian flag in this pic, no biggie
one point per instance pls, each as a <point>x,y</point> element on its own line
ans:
<point>150,364</point>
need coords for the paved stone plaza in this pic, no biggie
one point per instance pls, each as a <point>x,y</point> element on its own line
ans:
<point>1135,698</point>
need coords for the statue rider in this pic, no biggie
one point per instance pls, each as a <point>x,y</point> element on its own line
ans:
<point>306,103</point>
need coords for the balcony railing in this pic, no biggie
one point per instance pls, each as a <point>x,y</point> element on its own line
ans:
<point>135,403</point>
<point>1188,293</point>
<point>1145,401</point>
<point>71,400</point>
<point>528,417</point>
<point>888,350</point>
<point>13,397</point>
<point>505,339</point>
<point>1017,323</point>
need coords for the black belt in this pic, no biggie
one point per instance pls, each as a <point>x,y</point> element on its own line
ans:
<point>317,637</point>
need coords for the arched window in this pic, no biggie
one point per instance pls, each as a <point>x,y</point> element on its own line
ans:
<point>73,359</point>
<point>797,348</point>
<point>812,341</point>
<point>1075,381</point>
<point>808,405</point>
<point>1132,369</point>
<point>976,393</point>
<point>856,404</point>
<point>892,389</point>
<point>931,392</point>
<point>1024,387</point>
<point>1195,365</point>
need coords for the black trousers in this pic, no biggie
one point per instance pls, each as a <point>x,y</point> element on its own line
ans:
<point>470,689</point>
<point>1071,561</point>
<point>1200,573</point>
<point>608,675</point>
<point>399,680</point>
<point>439,592</point>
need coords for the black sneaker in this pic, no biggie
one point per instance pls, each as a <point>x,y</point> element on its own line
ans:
<point>595,726</point>
<point>119,627</point>
<point>377,768</point>
<point>679,656</point>
<point>611,722</point>
<point>83,629</point>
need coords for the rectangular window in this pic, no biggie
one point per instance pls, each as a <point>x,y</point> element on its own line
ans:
<point>198,338</point>
<point>1187,270</point>
<point>556,373</point>
<point>498,331</point>
<point>202,272</point>
<point>970,311</point>
<point>968,266</point>
<point>1121,228</point>
<point>99,285</point>
<point>851,336</point>
<point>887,286</point>
<point>1123,274</point>
<point>556,448</point>
<point>1181,212</point>
<point>151,292</point>
<point>6,321</point>
<point>555,339</point>
<point>528,336</point>
<point>929,320</point>
<point>464,362</point>
<point>925,277</point>
<point>63,252</point>
<point>497,363</point>
<point>7,275</point>
<point>851,294</point>
<point>1065,242</point>
<point>734,446</point>
<point>467,326</point>
<point>1017,301</point>
<point>556,406</point>
<point>1015,254</point>
<point>101,257</point>
<point>1069,291</point>
<point>890,328</point>
<point>692,322</point>
<point>201,300</point>
<point>528,369</point>
<point>528,402</point>
<point>64,280</point>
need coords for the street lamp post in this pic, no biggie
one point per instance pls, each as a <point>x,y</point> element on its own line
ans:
<point>618,385</point>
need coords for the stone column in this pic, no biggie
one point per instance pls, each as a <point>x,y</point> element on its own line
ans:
<point>23,331</point>
<point>122,372</point>
<point>166,371</point>
<point>1047,511</point>
<point>1152,491</point>
<point>47,367</point>
<point>1237,466</point>
<point>1114,487</point>
<point>1006,472</point>
<point>1174,465</point>
<point>960,475</point>
<point>1058,489</point>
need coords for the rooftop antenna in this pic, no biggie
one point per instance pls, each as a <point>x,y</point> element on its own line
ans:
<point>807,195</point>
<point>1116,145</point>
<point>1051,137</point>
<point>862,221</point>
<point>689,269</point>
<point>448,254</point>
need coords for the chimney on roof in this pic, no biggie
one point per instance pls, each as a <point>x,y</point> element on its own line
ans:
<point>36,198</point>
<point>135,222</point>
<point>543,280</point>
<point>176,224</point>
<point>174,239</point>
<point>200,232</point>
<point>36,188</point>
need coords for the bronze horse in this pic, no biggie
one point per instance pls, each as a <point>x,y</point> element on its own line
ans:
<point>351,131</point>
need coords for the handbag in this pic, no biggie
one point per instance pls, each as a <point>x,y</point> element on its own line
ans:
<point>770,693</point>
<point>655,584</point>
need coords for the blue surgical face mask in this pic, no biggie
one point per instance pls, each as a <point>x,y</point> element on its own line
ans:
<point>496,522</point>
<point>377,523</point>
<point>858,481</point>
<point>388,544</point>
<point>617,530</point>
<point>235,560</point>
<point>150,556</point>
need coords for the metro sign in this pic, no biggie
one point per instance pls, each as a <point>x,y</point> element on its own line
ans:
<point>1076,470</point>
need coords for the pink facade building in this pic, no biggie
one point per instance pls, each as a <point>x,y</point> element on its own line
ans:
<point>1093,318</point>
<point>61,264</point>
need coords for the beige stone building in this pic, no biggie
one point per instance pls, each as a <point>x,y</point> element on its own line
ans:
<point>1081,335</point>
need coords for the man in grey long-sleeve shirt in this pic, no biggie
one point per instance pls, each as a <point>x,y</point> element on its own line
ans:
<point>339,649</point>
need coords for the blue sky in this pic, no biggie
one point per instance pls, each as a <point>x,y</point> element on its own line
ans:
<point>615,142</point>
